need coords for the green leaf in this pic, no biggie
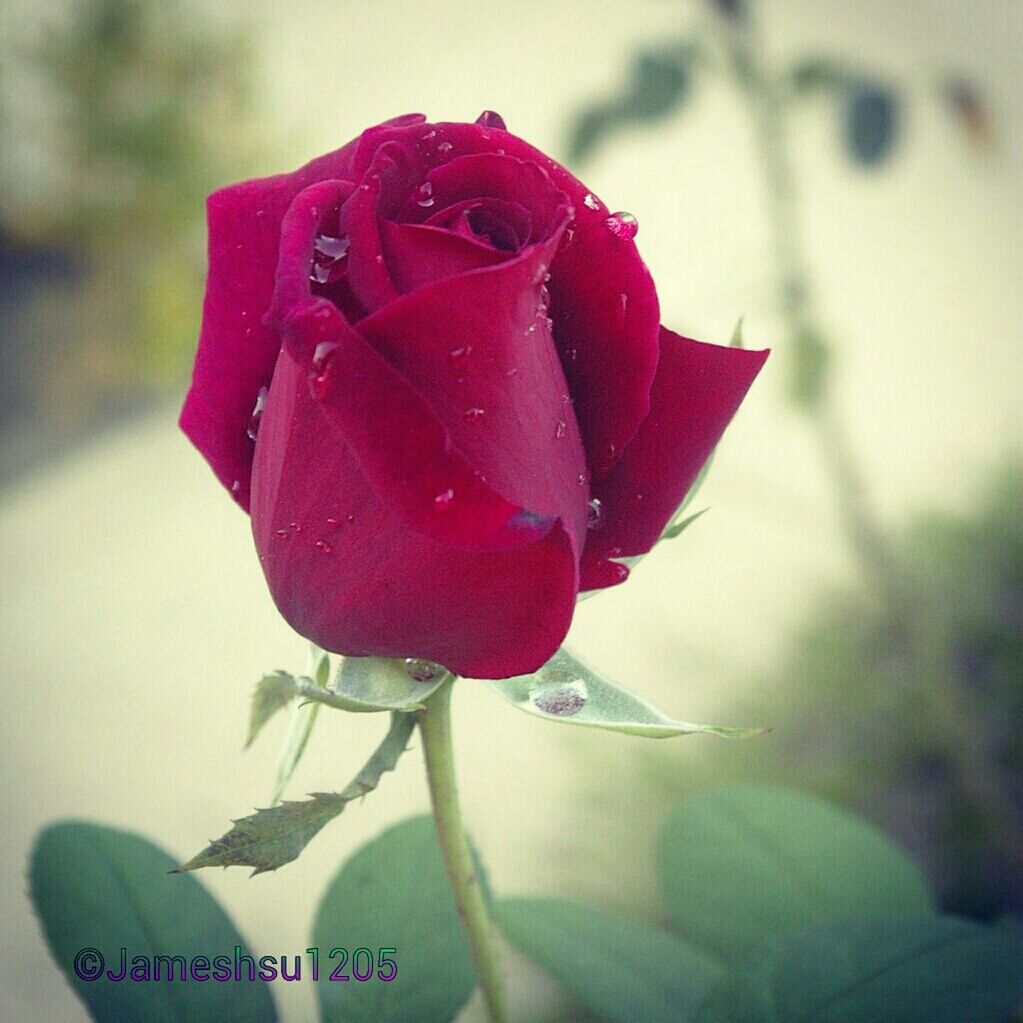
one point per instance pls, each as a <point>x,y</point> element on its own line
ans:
<point>673,529</point>
<point>903,970</point>
<point>272,837</point>
<point>273,693</point>
<point>300,727</point>
<point>735,341</point>
<point>659,83</point>
<point>393,893</point>
<point>741,866</point>
<point>618,970</point>
<point>566,690</point>
<point>367,684</point>
<point>95,887</point>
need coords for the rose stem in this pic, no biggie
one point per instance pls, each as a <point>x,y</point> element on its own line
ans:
<point>938,693</point>
<point>438,752</point>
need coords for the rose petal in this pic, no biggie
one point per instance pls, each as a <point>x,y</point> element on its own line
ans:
<point>417,254</point>
<point>697,390</point>
<point>351,575</point>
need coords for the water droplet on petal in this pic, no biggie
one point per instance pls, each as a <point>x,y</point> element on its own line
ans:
<point>319,374</point>
<point>334,523</point>
<point>328,255</point>
<point>323,547</point>
<point>445,147</point>
<point>331,247</point>
<point>572,354</point>
<point>622,225</point>
<point>560,429</point>
<point>581,479</point>
<point>458,356</point>
<point>443,499</point>
<point>563,700</point>
<point>595,514</point>
<point>257,414</point>
<point>591,202</point>
<point>429,135</point>
<point>472,415</point>
<point>236,486</point>
<point>295,527</point>
<point>350,517</point>
<point>425,194</point>
<point>512,371</point>
<point>421,671</point>
<point>491,119</point>
<point>623,300</point>
<point>283,534</point>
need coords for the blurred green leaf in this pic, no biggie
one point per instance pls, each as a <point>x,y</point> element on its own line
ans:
<point>926,969</point>
<point>741,866</point>
<point>659,83</point>
<point>272,837</point>
<point>393,893</point>
<point>674,528</point>
<point>870,123</point>
<point>95,887</point>
<point>618,970</point>
<point>567,691</point>
<point>273,693</point>
<point>815,74</point>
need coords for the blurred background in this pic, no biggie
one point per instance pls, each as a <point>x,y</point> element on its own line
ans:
<point>846,177</point>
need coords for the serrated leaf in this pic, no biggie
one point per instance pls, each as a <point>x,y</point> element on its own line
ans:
<point>619,970</point>
<point>568,691</point>
<point>925,969</point>
<point>741,866</point>
<point>274,836</point>
<point>394,893</point>
<point>372,684</point>
<point>273,693</point>
<point>95,887</point>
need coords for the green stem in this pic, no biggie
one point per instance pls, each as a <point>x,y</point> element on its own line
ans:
<point>438,751</point>
<point>933,686</point>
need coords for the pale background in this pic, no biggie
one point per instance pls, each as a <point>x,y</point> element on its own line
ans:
<point>135,620</point>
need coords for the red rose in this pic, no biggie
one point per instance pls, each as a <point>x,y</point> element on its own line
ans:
<point>431,368</point>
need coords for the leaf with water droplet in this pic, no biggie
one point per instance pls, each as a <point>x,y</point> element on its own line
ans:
<point>272,837</point>
<point>372,684</point>
<point>567,690</point>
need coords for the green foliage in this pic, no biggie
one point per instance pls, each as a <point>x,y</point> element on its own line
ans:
<point>272,837</point>
<point>899,970</point>
<point>871,121</point>
<point>618,970</point>
<point>101,888</point>
<point>382,683</point>
<point>568,691</point>
<point>740,866</point>
<point>394,893</point>
<point>659,83</point>
<point>273,693</point>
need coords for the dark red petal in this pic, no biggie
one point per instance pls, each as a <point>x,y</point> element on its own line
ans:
<point>697,390</point>
<point>478,347</point>
<point>417,254</point>
<point>351,575</point>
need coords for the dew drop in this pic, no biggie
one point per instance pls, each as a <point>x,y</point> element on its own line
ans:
<point>623,301</point>
<point>622,225</point>
<point>236,486</point>
<point>560,429</point>
<point>328,255</point>
<point>594,514</point>
<point>323,547</point>
<point>563,700</point>
<point>421,671</point>
<point>295,527</point>
<point>591,202</point>
<point>283,534</point>
<point>425,195</point>
<point>541,274</point>
<point>581,479</point>
<point>474,414</point>
<point>319,374</point>
<point>350,517</point>
<point>445,147</point>
<point>429,135</point>
<point>491,119</point>
<point>512,371</point>
<point>257,414</point>
<point>330,247</point>
<point>458,356</point>
<point>444,499</point>
<point>572,354</point>
<point>334,523</point>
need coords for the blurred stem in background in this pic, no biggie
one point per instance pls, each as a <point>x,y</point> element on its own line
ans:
<point>935,689</point>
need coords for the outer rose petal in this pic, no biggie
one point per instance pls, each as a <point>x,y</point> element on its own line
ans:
<point>346,572</point>
<point>697,390</point>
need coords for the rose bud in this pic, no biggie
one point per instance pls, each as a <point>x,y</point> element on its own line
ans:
<point>431,369</point>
